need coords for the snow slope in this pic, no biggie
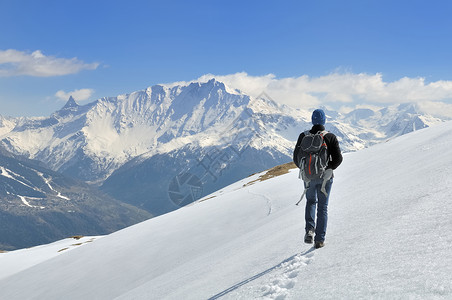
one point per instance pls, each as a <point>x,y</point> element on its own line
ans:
<point>16,261</point>
<point>388,237</point>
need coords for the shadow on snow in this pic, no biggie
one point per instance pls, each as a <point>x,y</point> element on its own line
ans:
<point>242,283</point>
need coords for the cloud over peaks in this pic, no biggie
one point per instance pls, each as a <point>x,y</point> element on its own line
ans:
<point>79,95</point>
<point>341,89</point>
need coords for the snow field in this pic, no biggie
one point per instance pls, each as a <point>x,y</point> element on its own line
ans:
<point>388,237</point>
<point>18,260</point>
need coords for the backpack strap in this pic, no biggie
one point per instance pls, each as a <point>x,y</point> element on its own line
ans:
<point>326,176</point>
<point>323,132</point>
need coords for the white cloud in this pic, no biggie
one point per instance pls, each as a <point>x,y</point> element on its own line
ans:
<point>349,89</point>
<point>437,109</point>
<point>79,95</point>
<point>347,109</point>
<point>15,63</point>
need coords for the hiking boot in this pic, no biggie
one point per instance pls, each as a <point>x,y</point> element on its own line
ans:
<point>319,244</point>
<point>309,236</point>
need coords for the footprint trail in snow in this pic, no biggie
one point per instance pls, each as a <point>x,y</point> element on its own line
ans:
<point>286,275</point>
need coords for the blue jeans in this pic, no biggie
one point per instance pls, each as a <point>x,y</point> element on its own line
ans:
<point>316,198</point>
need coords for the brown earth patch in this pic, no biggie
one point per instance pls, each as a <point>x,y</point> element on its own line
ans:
<point>274,172</point>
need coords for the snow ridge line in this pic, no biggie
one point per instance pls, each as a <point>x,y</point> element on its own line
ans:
<point>281,283</point>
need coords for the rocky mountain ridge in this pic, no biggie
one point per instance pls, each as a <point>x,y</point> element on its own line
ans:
<point>40,205</point>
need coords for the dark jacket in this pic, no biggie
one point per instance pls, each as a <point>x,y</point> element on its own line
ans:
<point>334,152</point>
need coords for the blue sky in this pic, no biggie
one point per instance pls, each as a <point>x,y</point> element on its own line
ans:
<point>50,49</point>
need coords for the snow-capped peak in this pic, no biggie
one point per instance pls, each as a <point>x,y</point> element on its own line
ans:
<point>70,103</point>
<point>209,79</point>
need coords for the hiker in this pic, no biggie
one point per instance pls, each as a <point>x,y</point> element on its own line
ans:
<point>317,189</point>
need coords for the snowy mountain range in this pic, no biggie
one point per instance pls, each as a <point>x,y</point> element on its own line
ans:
<point>388,237</point>
<point>142,148</point>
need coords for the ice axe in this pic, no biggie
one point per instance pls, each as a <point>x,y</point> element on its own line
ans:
<point>301,198</point>
<point>306,186</point>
